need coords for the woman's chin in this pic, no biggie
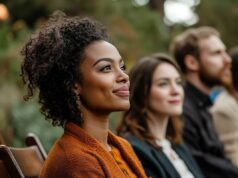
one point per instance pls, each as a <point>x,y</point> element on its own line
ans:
<point>176,113</point>
<point>124,107</point>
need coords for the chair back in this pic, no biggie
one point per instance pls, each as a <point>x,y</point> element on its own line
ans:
<point>24,162</point>
<point>9,163</point>
<point>3,170</point>
<point>32,139</point>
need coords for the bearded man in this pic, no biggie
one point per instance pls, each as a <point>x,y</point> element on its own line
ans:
<point>205,63</point>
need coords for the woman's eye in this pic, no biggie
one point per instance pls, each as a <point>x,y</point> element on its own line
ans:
<point>106,68</point>
<point>163,84</point>
<point>123,67</point>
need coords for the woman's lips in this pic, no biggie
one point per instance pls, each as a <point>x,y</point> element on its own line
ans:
<point>122,91</point>
<point>175,102</point>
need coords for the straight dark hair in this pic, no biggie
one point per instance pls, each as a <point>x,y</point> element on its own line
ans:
<point>234,66</point>
<point>233,87</point>
<point>135,120</point>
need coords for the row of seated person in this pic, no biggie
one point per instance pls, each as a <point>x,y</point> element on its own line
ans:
<point>22,162</point>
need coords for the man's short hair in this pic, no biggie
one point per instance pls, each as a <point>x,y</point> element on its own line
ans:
<point>187,43</point>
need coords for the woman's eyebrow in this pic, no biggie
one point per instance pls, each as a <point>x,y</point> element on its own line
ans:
<point>165,79</point>
<point>106,59</point>
<point>102,59</point>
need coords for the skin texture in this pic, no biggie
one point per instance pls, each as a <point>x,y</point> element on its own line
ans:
<point>214,62</point>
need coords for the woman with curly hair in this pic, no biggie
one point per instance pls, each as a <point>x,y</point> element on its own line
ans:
<point>80,78</point>
<point>152,124</point>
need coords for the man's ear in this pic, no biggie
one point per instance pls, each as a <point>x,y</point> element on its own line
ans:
<point>191,63</point>
<point>77,88</point>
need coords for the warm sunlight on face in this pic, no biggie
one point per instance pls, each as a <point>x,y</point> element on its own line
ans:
<point>166,94</point>
<point>105,85</point>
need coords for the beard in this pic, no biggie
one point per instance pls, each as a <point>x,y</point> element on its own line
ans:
<point>223,78</point>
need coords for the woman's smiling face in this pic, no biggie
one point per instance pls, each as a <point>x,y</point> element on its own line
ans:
<point>105,85</point>
<point>166,94</point>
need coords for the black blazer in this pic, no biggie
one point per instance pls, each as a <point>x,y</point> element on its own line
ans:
<point>155,162</point>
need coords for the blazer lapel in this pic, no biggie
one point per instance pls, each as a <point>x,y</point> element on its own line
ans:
<point>166,164</point>
<point>187,161</point>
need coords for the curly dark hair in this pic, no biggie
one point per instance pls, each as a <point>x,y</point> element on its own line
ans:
<point>51,63</point>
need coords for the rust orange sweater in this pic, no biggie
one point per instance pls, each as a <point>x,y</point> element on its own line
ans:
<point>78,155</point>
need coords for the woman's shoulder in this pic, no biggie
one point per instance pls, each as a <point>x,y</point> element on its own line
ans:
<point>134,140</point>
<point>139,145</point>
<point>67,147</point>
<point>134,144</point>
<point>66,159</point>
<point>71,149</point>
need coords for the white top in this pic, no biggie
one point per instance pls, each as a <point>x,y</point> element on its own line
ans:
<point>174,158</point>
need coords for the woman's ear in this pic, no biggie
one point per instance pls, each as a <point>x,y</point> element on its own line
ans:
<point>192,63</point>
<point>77,88</point>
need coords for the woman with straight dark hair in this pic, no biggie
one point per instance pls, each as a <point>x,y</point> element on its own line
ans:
<point>81,79</point>
<point>152,124</point>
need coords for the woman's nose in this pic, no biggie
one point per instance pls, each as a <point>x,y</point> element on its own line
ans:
<point>122,76</point>
<point>175,88</point>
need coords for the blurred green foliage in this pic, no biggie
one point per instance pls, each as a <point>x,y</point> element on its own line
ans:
<point>135,30</point>
<point>25,118</point>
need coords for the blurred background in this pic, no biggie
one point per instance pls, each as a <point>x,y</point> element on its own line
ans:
<point>136,27</point>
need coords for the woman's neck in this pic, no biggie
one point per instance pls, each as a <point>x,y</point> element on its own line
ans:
<point>97,126</point>
<point>158,125</point>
